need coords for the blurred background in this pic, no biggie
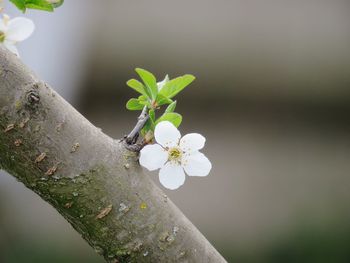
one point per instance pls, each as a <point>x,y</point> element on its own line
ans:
<point>272,97</point>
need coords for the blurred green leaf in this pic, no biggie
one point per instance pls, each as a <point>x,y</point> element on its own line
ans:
<point>45,5</point>
<point>147,127</point>
<point>174,86</point>
<point>56,3</point>
<point>40,5</point>
<point>150,82</point>
<point>161,100</point>
<point>161,84</point>
<point>152,115</point>
<point>138,86</point>
<point>173,117</point>
<point>150,124</point>
<point>134,104</point>
<point>20,4</point>
<point>171,107</point>
<point>144,101</point>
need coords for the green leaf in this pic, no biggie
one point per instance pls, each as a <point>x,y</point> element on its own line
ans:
<point>150,82</point>
<point>147,127</point>
<point>20,4</point>
<point>144,101</point>
<point>173,117</point>
<point>161,100</point>
<point>138,86</point>
<point>174,86</point>
<point>56,3</point>
<point>134,104</point>
<point>150,124</point>
<point>161,84</point>
<point>171,107</point>
<point>152,115</point>
<point>40,5</point>
<point>46,5</point>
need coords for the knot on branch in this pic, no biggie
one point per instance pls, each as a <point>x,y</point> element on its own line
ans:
<point>33,97</point>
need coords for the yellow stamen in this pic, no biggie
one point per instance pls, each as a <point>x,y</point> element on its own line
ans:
<point>175,154</point>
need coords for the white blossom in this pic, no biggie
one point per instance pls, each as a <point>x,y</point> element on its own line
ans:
<point>174,155</point>
<point>14,30</point>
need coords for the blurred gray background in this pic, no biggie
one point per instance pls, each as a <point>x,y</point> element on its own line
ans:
<point>272,97</point>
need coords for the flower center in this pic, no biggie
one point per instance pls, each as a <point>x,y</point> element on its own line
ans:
<point>175,154</point>
<point>2,36</point>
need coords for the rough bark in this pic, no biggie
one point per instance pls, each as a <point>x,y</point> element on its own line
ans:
<point>91,179</point>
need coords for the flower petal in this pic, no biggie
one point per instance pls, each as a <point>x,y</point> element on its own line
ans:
<point>153,157</point>
<point>192,142</point>
<point>4,22</point>
<point>196,164</point>
<point>172,176</point>
<point>3,27</point>
<point>166,134</point>
<point>10,46</point>
<point>19,29</point>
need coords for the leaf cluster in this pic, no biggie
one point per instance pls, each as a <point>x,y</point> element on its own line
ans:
<point>154,95</point>
<point>45,5</point>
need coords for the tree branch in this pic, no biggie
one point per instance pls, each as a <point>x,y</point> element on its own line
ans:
<point>91,179</point>
<point>141,121</point>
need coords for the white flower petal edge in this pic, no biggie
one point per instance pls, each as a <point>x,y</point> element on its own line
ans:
<point>19,29</point>
<point>166,134</point>
<point>197,164</point>
<point>172,176</point>
<point>153,157</point>
<point>192,142</point>
<point>14,30</point>
<point>10,46</point>
<point>3,26</point>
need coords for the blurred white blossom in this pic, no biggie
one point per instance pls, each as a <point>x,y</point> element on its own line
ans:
<point>14,30</point>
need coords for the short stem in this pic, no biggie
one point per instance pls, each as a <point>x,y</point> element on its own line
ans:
<point>134,134</point>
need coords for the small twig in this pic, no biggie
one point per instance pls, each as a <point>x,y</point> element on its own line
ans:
<point>134,147</point>
<point>131,139</point>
